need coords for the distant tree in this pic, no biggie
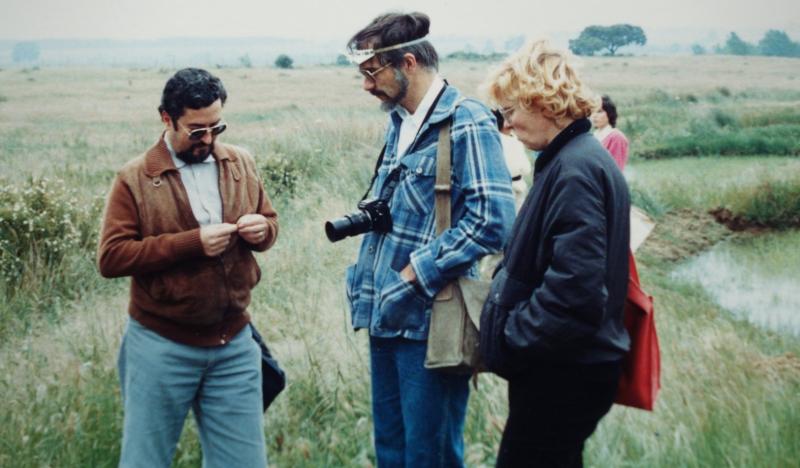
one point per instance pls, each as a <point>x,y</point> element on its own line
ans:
<point>25,52</point>
<point>513,43</point>
<point>472,56</point>
<point>586,45</point>
<point>777,43</point>
<point>284,61</point>
<point>245,61</point>
<point>697,49</point>
<point>736,46</point>
<point>342,60</point>
<point>596,38</point>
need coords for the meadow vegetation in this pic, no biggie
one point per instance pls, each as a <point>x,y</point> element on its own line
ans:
<point>730,390</point>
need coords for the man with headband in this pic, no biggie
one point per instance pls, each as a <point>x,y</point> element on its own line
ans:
<point>419,413</point>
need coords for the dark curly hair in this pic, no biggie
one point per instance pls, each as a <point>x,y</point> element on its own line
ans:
<point>395,28</point>
<point>611,110</point>
<point>192,88</point>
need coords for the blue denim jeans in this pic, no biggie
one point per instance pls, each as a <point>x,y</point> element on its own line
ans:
<point>161,380</point>
<point>418,413</point>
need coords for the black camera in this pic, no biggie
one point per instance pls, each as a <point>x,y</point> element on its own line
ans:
<point>374,215</point>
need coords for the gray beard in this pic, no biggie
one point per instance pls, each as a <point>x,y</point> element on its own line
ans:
<point>402,82</point>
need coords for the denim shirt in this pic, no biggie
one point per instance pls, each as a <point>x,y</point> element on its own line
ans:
<point>482,216</point>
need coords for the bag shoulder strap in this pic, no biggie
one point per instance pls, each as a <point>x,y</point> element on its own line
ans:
<point>636,295</point>
<point>442,187</point>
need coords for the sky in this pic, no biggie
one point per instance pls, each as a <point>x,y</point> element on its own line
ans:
<point>306,19</point>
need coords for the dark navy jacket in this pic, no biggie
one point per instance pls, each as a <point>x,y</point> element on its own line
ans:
<point>559,293</point>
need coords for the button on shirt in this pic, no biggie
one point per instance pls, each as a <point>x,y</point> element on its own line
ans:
<point>201,181</point>
<point>412,122</point>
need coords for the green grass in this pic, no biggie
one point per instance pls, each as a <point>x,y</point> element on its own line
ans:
<point>730,389</point>
<point>670,123</point>
<point>710,182</point>
<point>776,116</point>
<point>761,191</point>
<point>48,234</point>
<point>733,141</point>
<point>773,203</point>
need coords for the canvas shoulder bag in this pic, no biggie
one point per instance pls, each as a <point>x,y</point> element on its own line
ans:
<point>453,334</point>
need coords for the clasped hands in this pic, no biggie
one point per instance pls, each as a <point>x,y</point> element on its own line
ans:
<point>252,228</point>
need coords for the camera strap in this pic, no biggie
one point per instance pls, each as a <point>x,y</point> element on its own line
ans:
<point>375,173</point>
<point>387,192</point>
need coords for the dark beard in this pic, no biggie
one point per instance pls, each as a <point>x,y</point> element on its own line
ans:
<point>189,157</point>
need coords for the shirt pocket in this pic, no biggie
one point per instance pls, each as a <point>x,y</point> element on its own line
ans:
<point>414,191</point>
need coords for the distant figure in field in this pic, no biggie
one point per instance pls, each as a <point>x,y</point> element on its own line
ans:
<point>604,121</point>
<point>519,165</point>
<point>183,220</point>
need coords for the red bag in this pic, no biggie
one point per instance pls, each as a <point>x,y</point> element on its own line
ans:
<point>641,368</point>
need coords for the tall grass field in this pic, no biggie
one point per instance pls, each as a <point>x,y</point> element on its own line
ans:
<point>706,133</point>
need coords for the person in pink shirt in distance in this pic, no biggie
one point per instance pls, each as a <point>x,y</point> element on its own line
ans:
<point>605,130</point>
<point>604,122</point>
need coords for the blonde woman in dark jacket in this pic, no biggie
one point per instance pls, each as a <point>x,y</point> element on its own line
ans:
<point>553,322</point>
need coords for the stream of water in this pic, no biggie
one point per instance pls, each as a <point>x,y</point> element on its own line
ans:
<point>757,279</point>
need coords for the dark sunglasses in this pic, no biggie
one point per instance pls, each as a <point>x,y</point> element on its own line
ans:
<point>199,133</point>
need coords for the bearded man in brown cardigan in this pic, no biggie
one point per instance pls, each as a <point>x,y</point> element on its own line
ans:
<point>183,220</point>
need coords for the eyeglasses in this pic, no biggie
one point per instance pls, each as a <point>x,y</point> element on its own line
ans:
<point>372,74</point>
<point>198,133</point>
<point>506,112</point>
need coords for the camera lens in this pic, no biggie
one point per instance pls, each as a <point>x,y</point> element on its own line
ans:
<point>348,225</point>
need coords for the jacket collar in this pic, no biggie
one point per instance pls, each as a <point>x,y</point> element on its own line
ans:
<point>445,107</point>
<point>428,100</point>
<point>157,159</point>
<point>574,129</point>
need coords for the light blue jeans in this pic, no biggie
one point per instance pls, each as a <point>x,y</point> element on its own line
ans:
<point>162,379</point>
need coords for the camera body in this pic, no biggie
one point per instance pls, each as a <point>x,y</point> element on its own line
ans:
<point>373,215</point>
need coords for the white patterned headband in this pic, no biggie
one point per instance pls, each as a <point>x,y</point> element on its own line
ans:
<point>359,56</point>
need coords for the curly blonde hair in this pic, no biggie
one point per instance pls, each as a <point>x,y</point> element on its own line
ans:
<point>542,77</point>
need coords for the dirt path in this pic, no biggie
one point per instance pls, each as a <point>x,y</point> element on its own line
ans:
<point>683,233</point>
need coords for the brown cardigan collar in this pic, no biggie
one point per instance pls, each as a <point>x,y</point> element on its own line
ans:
<point>157,160</point>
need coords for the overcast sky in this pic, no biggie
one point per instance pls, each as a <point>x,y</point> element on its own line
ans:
<point>150,19</point>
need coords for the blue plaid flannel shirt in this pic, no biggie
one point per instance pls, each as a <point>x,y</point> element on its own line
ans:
<point>482,216</point>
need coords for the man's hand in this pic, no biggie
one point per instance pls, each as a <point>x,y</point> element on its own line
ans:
<point>252,228</point>
<point>215,237</point>
<point>409,274</point>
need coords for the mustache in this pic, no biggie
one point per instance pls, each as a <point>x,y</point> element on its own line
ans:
<point>196,153</point>
<point>201,150</point>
